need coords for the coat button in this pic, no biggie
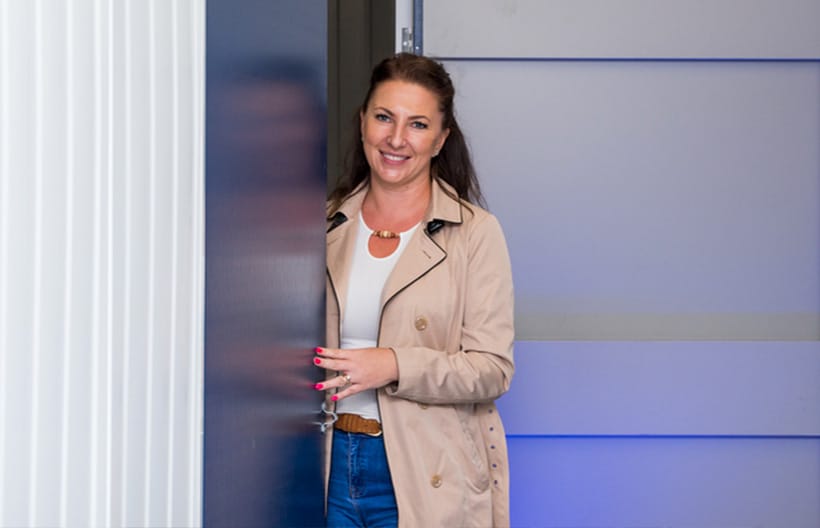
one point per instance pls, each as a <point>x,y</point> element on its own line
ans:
<point>423,405</point>
<point>435,481</point>
<point>421,323</point>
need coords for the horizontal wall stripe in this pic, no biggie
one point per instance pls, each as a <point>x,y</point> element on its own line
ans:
<point>625,59</point>
<point>623,28</point>
<point>767,483</point>
<point>662,437</point>
<point>535,322</point>
<point>698,389</point>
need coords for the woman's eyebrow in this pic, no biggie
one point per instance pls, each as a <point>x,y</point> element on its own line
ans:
<point>388,112</point>
<point>383,109</point>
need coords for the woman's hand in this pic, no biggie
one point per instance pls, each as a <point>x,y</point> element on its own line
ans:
<point>360,369</point>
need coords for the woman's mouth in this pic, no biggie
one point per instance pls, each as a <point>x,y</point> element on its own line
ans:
<point>394,158</point>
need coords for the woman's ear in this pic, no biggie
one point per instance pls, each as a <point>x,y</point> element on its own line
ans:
<point>442,139</point>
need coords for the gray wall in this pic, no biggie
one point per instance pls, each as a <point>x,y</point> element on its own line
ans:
<point>655,167</point>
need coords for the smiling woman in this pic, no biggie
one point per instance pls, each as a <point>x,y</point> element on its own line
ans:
<point>419,318</point>
<point>402,131</point>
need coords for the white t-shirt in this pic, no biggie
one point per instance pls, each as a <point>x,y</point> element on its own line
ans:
<point>360,325</point>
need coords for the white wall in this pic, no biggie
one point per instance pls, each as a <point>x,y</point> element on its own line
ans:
<point>662,210</point>
<point>101,262</point>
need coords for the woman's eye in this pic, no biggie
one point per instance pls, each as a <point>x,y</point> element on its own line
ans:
<point>419,124</point>
<point>382,117</point>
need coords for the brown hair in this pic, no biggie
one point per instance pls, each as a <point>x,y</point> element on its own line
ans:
<point>453,163</point>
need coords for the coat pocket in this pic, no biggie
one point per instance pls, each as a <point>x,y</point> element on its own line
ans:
<point>472,452</point>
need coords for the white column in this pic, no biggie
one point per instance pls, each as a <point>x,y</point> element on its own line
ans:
<point>101,262</point>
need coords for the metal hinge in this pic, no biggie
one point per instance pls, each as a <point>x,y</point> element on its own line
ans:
<point>407,40</point>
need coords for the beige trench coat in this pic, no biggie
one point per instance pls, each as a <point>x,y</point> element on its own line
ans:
<point>447,312</point>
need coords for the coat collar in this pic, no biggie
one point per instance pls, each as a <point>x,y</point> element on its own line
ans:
<point>420,256</point>
<point>443,207</point>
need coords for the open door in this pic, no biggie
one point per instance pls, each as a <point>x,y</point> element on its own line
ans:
<point>265,194</point>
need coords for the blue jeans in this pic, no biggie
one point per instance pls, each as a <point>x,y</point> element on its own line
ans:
<point>360,491</point>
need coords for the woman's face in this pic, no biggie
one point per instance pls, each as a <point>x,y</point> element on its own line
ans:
<point>401,132</point>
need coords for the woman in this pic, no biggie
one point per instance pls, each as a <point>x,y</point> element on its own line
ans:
<point>419,318</point>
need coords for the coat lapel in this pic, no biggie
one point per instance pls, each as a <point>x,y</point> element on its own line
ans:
<point>420,256</point>
<point>341,241</point>
<point>422,252</point>
<point>340,244</point>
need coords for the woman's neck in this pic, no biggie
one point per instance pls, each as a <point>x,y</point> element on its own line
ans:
<point>396,209</point>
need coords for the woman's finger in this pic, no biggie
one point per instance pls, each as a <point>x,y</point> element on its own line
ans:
<point>328,358</point>
<point>332,353</point>
<point>331,364</point>
<point>342,394</point>
<point>336,382</point>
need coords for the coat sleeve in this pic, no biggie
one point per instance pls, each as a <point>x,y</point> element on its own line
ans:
<point>483,367</point>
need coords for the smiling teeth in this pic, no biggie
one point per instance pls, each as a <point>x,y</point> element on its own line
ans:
<point>391,157</point>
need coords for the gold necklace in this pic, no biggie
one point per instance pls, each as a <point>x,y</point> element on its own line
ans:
<point>384,233</point>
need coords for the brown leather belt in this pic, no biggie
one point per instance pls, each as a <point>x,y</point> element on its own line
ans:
<point>353,423</point>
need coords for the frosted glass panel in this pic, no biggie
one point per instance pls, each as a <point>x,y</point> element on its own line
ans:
<point>653,200</point>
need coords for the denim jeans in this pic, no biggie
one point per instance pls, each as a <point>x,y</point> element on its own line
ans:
<point>360,491</point>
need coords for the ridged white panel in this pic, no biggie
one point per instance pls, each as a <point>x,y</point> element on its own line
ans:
<point>101,262</point>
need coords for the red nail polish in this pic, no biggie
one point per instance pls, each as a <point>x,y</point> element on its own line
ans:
<point>318,386</point>
<point>318,350</point>
<point>334,398</point>
<point>317,360</point>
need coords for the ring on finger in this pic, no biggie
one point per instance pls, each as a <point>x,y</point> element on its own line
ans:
<point>348,381</point>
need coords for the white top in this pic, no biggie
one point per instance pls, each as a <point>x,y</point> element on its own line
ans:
<point>360,324</point>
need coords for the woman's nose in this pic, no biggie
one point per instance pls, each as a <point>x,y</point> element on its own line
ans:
<point>396,137</point>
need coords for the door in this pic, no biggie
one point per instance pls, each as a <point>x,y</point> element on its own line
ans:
<point>265,192</point>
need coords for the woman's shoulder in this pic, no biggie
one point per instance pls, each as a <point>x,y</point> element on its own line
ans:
<point>476,217</point>
<point>455,209</point>
<point>347,205</point>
